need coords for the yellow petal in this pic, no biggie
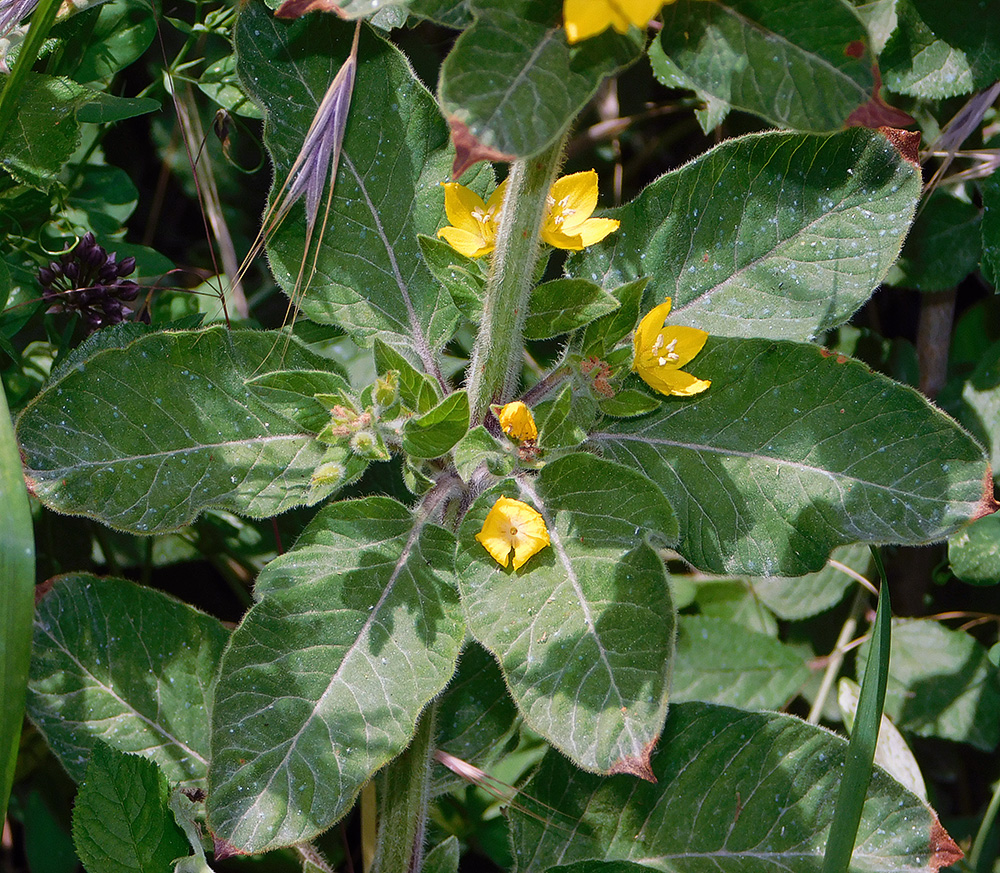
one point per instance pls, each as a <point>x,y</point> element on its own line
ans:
<point>472,245</point>
<point>587,18</point>
<point>640,12</point>
<point>675,382</point>
<point>559,240</point>
<point>649,328</point>
<point>512,525</point>
<point>579,191</point>
<point>496,199</point>
<point>459,204</point>
<point>593,230</point>
<point>517,421</point>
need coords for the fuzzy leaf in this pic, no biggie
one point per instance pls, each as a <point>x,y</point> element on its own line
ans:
<point>563,305</point>
<point>780,235</point>
<point>771,812</point>
<point>435,432</point>
<point>147,436</point>
<point>356,629</point>
<point>126,665</point>
<point>584,630</point>
<point>794,450</point>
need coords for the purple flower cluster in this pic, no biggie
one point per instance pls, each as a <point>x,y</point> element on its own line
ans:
<point>88,280</point>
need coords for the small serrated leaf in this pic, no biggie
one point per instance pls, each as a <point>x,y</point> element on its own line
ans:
<point>563,305</point>
<point>121,819</point>
<point>435,432</point>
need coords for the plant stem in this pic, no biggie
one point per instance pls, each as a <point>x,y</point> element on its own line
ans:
<point>985,827</point>
<point>404,791</point>
<point>496,357</point>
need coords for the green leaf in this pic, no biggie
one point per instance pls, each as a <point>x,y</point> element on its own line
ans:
<point>434,433</point>
<point>106,108</point>
<point>103,198</point>
<point>293,394</point>
<point>629,403</point>
<point>772,59</point>
<point>513,80</point>
<point>417,391</point>
<point>979,407</point>
<point>793,451</point>
<point>563,305</point>
<point>794,599</point>
<point>147,436</point>
<point>34,149</point>
<point>602,336</point>
<point>583,631</point>
<point>222,85</point>
<point>880,18</point>
<point>477,447</point>
<point>370,276</point>
<point>936,53</point>
<point>357,628</point>
<point>990,188</point>
<point>443,858</point>
<point>733,600</point>
<point>772,811</point>
<point>48,846</point>
<point>941,684</point>
<point>101,41</point>
<point>942,248</point>
<point>462,276</point>
<point>781,235</point>
<point>974,552</point>
<point>558,426</point>
<point>126,665</point>
<point>121,820</point>
<point>17,599</point>
<point>722,662</point>
<point>449,13</point>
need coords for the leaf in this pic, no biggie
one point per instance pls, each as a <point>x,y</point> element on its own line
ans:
<point>794,599</point>
<point>584,631</point>
<point>477,447</point>
<point>721,662</point>
<point>563,305</point>
<point>434,433</point>
<point>974,552</point>
<point>935,53</point>
<point>559,425</point>
<point>793,451</point>
<point>772,811</point>
<point>45,133</point>
<point>121,821</point>
<point>126,665</point>
<point>780,235</point>
<point>370,277</point>
<point>147,436</point>
<point>629,402</point>
<point>979,407</point>
<point>460,275</point>
<point>600,337</point>
<point>941,684</point>
<point>772,60</point>
<point>101,41</point>
<point>880,18</point>
<point>516,84</point>
<point>107,198</point>
<point>105,108</point>
<point>417,391</point>
<point>990,188</point>
<point>943,246</point>
<point>357,628</point>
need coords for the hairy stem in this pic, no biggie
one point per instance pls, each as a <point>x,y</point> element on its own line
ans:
<point>496,357</point>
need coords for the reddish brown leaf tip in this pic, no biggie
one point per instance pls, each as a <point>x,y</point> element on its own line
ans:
<point>469,150</point>
<point>987,503</point>
<point>225,850</point>
<point>876,113</point>
<point>637,766</point>
<point>906,142</point>
<point>944,851</point>
<point>298,8</point>
<point>855,49</point>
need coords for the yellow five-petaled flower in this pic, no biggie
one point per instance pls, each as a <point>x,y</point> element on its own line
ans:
<point>567,223</point>
<point>661,351</point>
<point>473,228</point>
<point>587,18</point>
<point>513,526</point>
<point>517,421</point>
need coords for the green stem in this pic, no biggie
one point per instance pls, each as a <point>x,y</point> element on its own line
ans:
<point>41,22</point>
<point>979,843</point>
<point>403,793</point>
<point>496,357</point>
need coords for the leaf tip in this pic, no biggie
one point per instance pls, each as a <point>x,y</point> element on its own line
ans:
<point>637,765</point>
<point>877,114</point>
<point>298,8</point>
<point>944,851</point>
<point>469,150</point>
<point>906,142</point>
<point>987,503</point>
<point>223,849</point>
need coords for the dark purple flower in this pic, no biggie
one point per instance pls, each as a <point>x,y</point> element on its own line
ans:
<point>88,280</point>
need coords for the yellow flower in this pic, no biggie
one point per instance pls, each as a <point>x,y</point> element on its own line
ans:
<point>517,421</point>
<point>587,18</point>
<point>567,223</point>
<point>473,228</point>
<point>513,526</point>
<point>661,351</point>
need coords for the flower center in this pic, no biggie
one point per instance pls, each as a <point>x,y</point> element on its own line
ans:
<point>559,211</point>
<point>669,353</point>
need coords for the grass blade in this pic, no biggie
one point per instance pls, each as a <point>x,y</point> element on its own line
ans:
<point>861,751</point>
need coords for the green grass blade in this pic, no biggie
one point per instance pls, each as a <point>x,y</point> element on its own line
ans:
<point>17,589</point>
<point>861,751</point>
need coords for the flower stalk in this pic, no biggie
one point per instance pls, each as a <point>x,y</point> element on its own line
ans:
<point>496,356</point>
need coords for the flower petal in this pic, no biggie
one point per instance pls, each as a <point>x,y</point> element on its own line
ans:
<point>467,243</point>
<point>675,382</point>
<point>513,525</point>
<point>559,240</point>
<point>517,421</point>
<point>579,190</point>
<point>649,328</point>
<point>585,18</point>
<point>685,342</point>
<point>593,230</point>
<point>459,204</point>
<point>496,199</point>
